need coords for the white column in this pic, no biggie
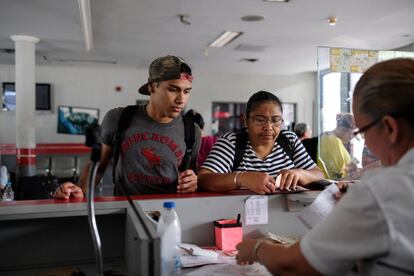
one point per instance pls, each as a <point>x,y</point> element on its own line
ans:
<point>25,103</point>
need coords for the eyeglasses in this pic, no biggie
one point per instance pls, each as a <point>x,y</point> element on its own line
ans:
<point>364,129</point>
<point>275,121</point>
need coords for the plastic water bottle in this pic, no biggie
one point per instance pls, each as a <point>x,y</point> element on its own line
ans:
<point>4,178</point>
<point>169,229</point>
<point>8,194</point>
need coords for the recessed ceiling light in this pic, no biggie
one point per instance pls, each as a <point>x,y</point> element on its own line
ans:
<point>252,18</point>
<point>225,38</point>
<point>332,21</point>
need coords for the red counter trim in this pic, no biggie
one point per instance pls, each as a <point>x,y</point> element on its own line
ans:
<point>49,149</point>
<point>123,198</point>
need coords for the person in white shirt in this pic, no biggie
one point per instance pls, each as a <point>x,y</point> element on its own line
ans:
<point>370,232</point>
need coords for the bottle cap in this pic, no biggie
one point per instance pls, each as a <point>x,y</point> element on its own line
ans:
<point>169,204</point>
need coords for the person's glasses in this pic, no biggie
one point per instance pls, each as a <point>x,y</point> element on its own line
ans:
<point>364,129</point>
<point>262,120</point>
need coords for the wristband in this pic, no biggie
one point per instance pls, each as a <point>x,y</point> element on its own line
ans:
<point>256,248</point>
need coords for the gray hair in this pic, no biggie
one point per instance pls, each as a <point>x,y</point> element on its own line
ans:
<point>300,129</point>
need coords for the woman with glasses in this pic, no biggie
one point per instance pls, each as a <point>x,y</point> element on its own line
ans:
<point>370,231</point>
<point>263,157</point>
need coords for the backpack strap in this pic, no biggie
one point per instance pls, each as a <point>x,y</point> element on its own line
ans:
<point>189,138</point>
<point>241,143</point>
<point>123,123</point>
<point>285,143</point>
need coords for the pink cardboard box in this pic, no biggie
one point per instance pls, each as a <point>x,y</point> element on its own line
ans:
<point>228,234</point>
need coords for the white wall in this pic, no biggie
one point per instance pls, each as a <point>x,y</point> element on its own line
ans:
<point>90,86</point>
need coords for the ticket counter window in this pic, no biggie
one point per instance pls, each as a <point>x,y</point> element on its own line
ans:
<point>340,153</point>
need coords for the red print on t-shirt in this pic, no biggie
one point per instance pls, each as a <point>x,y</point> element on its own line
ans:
<point>153,160</point>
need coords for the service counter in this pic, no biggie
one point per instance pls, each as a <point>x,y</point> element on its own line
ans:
<point>50,233</point>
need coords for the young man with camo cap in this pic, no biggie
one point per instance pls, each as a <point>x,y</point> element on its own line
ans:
<point>153,144</point>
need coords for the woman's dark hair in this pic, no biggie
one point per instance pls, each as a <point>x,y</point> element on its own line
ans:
<point>195,117</point>
<point>260,97</point>
<point>387,88</point>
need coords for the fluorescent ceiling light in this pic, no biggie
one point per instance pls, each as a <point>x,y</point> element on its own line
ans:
<point>225,38</point>
<point>276,1</point>
<point>86,22</point>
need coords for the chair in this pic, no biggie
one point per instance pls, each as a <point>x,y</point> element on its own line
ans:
<point>311,146</point>
<point>63,166</point>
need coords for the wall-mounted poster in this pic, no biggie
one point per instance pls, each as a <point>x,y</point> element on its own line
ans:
<point>289,115</point>
<point>74,120</point>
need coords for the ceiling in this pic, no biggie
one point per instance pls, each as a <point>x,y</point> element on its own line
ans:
<point>134,32</point>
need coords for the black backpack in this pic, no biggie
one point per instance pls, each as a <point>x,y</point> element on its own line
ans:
<point>241,143</point>
<point>124,122</point>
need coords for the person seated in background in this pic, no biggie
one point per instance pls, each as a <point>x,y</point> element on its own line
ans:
<point>153,145</point>
<point>311,146</point>
<point>368,158</point>
<point>334,159</point>
<point>207,141</point>
<point>303,131</point>
<point>371,228</point>
<point>263,156</point>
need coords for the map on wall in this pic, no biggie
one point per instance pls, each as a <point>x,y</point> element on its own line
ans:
<point>352,60</point>
<point>358,61</point>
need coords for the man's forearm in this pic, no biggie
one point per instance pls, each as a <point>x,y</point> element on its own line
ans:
<point>83,178</point>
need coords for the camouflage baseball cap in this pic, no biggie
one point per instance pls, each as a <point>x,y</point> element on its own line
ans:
<point>167,68</point>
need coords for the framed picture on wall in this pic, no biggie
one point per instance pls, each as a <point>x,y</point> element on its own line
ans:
<point>289,115</point>
<point>227,116</point>
<point>74,120</point>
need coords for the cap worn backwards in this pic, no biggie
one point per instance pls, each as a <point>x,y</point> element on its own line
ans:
<point>167,68</point>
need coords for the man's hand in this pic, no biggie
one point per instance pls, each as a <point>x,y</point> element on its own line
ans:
<point>187,182</point>
<point>68,190</point>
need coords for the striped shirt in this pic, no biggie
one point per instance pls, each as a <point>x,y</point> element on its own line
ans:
<point>221,157</point>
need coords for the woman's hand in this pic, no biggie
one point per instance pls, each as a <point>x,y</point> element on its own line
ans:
<point>258,182</point>
<point>343,187</point>
<point>68,190</point>
<point>187,182</point>
<point>289,179</point>
<point>246,255</point>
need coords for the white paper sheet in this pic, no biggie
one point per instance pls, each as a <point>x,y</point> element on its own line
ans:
<point>255,269</point>
<point>320,208</point>
<point>256,208</point>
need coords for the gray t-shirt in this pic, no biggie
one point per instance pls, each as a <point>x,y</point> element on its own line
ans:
<point>371,227</point>
<point>150,153</point>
